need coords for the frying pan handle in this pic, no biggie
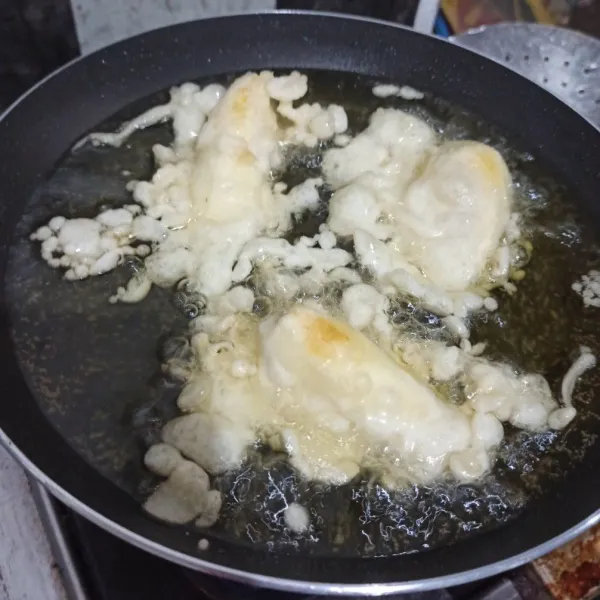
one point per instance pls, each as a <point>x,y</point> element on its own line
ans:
<point>426,14</point>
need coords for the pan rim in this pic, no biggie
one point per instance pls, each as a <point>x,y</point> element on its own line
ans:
<point>267,581</point>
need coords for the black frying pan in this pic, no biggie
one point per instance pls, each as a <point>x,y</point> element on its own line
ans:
<point>70,385</point>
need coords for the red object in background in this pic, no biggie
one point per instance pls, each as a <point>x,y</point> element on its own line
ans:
<point>573,571</point>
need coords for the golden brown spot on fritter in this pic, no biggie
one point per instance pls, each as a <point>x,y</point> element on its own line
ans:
<point>240,103</point>
<point>323,335</point>
<point>490,162</point>
<point>246,157</point>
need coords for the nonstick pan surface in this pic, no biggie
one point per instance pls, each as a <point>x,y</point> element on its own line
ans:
<point>70,386</point>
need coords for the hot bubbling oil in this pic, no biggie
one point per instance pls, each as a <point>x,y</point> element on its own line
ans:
<point>363,517</point>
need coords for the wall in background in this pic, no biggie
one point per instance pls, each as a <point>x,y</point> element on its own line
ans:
<point>102,22</point>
